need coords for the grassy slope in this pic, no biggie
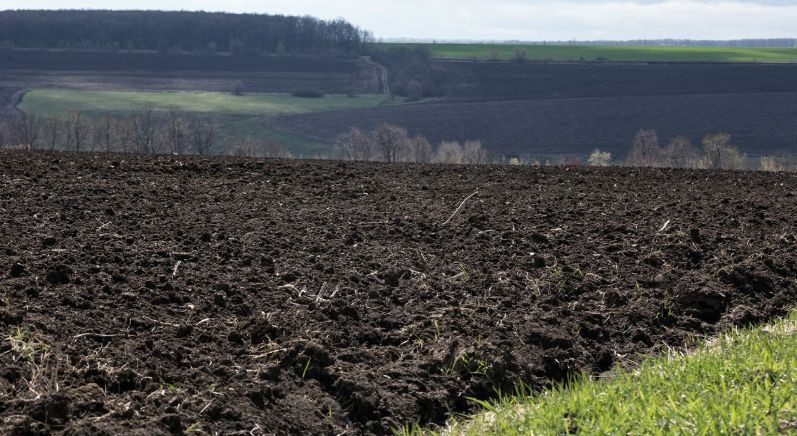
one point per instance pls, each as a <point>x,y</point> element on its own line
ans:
<point>238,115</point>
<point>611,53</point>
<point>744,382</point>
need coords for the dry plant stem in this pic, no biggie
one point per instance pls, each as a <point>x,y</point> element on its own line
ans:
<point>460,207</point>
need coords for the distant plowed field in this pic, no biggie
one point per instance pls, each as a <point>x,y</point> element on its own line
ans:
<point>761,123</point>
<point>544,109</point>
<point>151,295</point>
<point>510,80</point>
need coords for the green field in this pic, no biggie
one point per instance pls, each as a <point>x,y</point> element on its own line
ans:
<point>744,382</point>
<point>607,53</point>
<point>56,102</point>
<point>239,117</point>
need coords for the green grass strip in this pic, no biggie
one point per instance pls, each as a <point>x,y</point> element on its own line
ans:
<point>744,382</point>
<point>57,102</point>
<point>606,53</point>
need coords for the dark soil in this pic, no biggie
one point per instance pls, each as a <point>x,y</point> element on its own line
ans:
<point>760,123</point>
<point>553,109</point>
<point>162,295</point>
<point>511,80</point>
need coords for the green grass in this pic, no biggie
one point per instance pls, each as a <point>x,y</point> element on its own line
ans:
<point>235,127</point>
<point>56,102</point>
<point>610,53</point>
<point>239,117</point>
<point>744,382</point>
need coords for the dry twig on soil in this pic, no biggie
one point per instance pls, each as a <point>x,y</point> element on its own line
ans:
<point>460,207</point>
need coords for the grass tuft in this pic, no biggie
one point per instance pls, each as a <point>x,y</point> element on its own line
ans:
<point>26,345</point>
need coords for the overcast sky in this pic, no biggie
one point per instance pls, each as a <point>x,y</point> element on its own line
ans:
<point>506,19</point>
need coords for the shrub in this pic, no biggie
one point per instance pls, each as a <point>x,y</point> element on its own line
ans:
<point>680,153</point>
<point>718,153</point>
<point>414,90</point>
<point>474,154</point>
<point>308,93</point>
<point>449,152</point>
<point>392,141</point>
<point>355,145</point>
<point>774,164</point>
<point>645,151</point>
<point>238,89</point>
<point>421,150</point>
<point>599,158</point>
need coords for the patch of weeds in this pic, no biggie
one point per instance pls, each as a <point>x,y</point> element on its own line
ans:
<point>466,364</point>
<point>26,345</point>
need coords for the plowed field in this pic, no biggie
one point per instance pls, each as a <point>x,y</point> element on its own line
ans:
<point>166,295</point>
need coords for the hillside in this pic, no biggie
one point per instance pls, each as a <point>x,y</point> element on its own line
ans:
<point>149,71</point>
<point>547,109</point>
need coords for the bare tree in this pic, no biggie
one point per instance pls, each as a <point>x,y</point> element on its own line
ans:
<point>718,153</point>
<point>680,153</point>
<point>5,133</point>
<point>355,145</point>
<point>125,132</point>
<point>449,152</point>
<point>144,129</point>
<point>105,133</point>
<point>202,134</point>
<point>392,142</point>
<point>29,130</point>
<point>52,133</point>
<point>176,135</point>
<point>474,154</point>
<point>645,151</point>
<point>421,150</point>
<point>599,158</point>
<point>78,130</point>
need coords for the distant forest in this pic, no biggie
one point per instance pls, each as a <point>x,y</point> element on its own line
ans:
<point>178,31</point>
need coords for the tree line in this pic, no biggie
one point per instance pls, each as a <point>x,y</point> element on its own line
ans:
<point>716,151</point>
<point>178,31</point>
<point>152,132</point>
<point>145,132</point>
<point>391,144</point>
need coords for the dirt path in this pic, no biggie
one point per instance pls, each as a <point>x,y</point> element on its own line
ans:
<point>225,295</point>
<point>384,79</point>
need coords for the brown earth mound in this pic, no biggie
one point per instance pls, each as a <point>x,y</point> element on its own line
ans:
<point>166,295</point>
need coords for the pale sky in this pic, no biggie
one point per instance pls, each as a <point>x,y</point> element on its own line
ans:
<point>528,20</point>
